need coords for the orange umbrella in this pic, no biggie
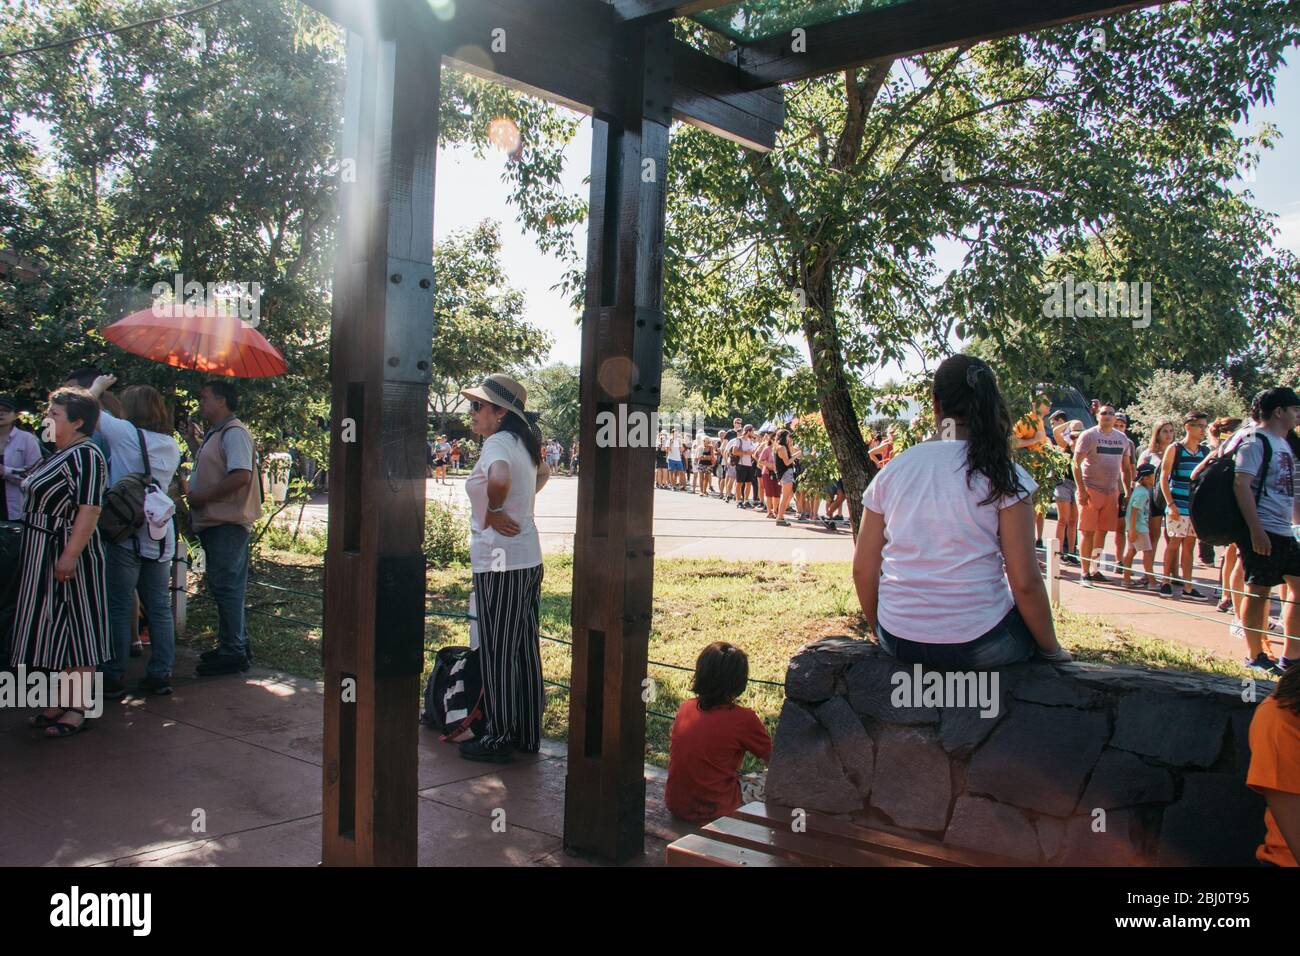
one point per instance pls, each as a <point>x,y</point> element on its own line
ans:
<point>209,341</point>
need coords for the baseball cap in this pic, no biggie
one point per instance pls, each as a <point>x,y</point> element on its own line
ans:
<point>1272,399</point>
<point>9,402</point>
<point>1147,469</point>
<point>158,511</point>
<point>1121,417</point>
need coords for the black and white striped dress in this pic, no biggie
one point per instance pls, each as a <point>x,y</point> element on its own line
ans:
<point>60,625</point>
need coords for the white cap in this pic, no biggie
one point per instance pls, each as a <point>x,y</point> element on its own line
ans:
<point>158,511</point>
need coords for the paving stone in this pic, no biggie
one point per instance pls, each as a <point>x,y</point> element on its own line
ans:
<point>804,770</point>
<point>980,824</point>
<point>1218,821</point>
<point>1182,732</point>
<point>851,743</point>
<point>1120,844</point>
<point>871,688</point>
<point>913,783</point>
<point>1121,779</point>
<point>1039,757</point>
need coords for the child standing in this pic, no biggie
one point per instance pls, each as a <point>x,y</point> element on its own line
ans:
<point>1137,521</point>
<point>710,737</point>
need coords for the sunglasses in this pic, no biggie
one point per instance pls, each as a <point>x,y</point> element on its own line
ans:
<point>476,405</point>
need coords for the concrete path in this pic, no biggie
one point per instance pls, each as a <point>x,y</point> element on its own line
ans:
<point>240,756</point>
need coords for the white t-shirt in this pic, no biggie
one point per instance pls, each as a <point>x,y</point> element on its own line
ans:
<point>524,550</point>
<point>747,446</point>
<point>675,448</point>
<point>164,459</point>
<point>1276,503</point>
<point>943,580</point>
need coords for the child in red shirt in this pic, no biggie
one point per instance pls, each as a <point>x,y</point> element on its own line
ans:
<point>710,737</point>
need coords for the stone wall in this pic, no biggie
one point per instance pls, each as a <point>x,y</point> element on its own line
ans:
<point>1163,754</point>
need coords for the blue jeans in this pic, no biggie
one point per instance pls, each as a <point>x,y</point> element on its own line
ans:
<point>127,575</point>
<point>1007,642</point>
<point>225,549</point>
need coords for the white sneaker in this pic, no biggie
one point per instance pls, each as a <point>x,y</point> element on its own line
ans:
<point>1236,630</point>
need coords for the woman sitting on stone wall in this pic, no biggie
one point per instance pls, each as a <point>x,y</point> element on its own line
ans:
<point>945,567</point>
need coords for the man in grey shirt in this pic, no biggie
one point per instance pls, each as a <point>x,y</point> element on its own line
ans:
<point>1271,556</point>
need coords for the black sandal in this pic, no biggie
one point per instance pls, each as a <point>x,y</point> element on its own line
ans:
<point>68,730</point>
<point>41,721</point>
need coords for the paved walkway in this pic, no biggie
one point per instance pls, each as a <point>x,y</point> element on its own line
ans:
<point>243,754</point>
<point>688,526</point>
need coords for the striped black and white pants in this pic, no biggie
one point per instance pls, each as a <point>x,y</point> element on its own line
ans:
<point>508,604</point>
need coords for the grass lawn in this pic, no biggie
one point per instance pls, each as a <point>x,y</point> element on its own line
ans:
<point>767,608</point>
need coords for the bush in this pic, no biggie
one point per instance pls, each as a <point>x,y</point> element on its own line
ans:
<point>446,535</point>
<point>280,537</point>
<point>1172,395</point>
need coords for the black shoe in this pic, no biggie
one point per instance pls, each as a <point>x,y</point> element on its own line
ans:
<point>1193,593</point>
<point>1069,558</point>
<point>158,686</point>
<point>1166,590</point>
<point>114,688</point>
<point>222,664</point>
<point>217,652</point>
<point>476,750</point>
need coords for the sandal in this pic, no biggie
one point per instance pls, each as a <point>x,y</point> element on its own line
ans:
<point>57,729</point>
<point>40,721</point>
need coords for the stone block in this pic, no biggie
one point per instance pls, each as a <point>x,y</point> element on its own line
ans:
<point>1218,821</point>
<point>913,782</point>
<point>812,673</point>
<point>1121,779</point>
<point>871,689</point>
<point>1039,758</point>
<point>804,770</point>
<point>962,729</point>
<point>1051,833</point>
<point>1120,844</point>
<point>1056,691</point>
<point>851,743</point>
<point>1183,732</point>
<point>980,824</point>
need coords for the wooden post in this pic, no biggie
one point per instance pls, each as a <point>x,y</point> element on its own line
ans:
<point>1054,570</point>
<point>180,585</point>
<point>613,567</point>
<point>381,349</point>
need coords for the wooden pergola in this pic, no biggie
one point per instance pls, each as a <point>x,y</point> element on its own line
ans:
<point>619,62</point>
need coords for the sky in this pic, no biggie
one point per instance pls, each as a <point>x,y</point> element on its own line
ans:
<point>469,190</point>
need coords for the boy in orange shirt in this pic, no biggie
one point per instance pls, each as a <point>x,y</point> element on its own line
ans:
<point>1275,769</point>
<point>710,737</point>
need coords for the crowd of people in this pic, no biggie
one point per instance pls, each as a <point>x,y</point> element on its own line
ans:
<point>1144,498</point>
<point>97,506</point>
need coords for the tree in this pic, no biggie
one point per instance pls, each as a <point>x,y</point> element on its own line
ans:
<point>553,392</point>
<point>478,327</point>
<point>1170,395</point>
<point>1021,149</point>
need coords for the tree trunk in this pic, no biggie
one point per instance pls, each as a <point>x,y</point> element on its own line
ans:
<point>833,396</point>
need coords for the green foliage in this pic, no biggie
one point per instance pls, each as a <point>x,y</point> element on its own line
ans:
<point>554,393</point>
<point>1171,395</point>
<point>446,535</point>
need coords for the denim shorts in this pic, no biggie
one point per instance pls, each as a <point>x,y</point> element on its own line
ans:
<point>1007,642</point>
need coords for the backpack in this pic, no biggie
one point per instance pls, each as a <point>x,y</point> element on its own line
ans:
<point>1215,514</point>
<point>453,695</point>
<point>123,511</point>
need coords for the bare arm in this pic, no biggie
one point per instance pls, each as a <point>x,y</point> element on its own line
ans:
<point>868,556</point>
<point>1259,540</point>
<point>498,488</point>
<point>543,475</point>
<point>1016,532</point>
<point>1076,467</point>
<point>1167,466</point>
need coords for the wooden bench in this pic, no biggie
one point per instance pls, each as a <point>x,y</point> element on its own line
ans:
<point>761,835</point>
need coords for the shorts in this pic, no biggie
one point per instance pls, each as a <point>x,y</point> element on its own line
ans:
<point>1101,513</point>
<point>746,474</point>
<point>770,487</point>
<point>1157,506</point>
<point>661,459</point>
<point>440,463</point>
<point>1141,541</point>
<point>1065,491</point>
<point>1180,527</point>
<point>1007,642</point>
<point>788,477</point>
<point>836,487</point>
<point>731,471</point>
<point>675,464</point>
<point>1269,570</point>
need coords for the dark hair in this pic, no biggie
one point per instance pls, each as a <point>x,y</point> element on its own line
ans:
<point>721,673</point>
<point>79,405</point>
<point>966,388</point>
<point>84,376</point>
<point>1269,401</point>
<point>1287,694</point>
<point>529,434</point>
<point>224,391</point>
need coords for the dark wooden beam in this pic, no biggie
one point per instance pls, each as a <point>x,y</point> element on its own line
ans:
<point>907,29</point>
<point>648,11</point>
<point>570,52</point>
<point>622,350</point>
<point>380,355</point>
